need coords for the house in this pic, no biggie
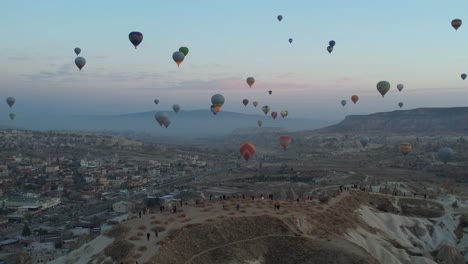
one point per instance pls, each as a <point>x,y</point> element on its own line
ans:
<point>123,207</point>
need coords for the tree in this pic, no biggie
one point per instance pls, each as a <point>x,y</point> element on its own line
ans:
<point>26,231</point>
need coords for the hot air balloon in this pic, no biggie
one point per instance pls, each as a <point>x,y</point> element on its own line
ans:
<point>332,43</point>
<point>286,113</point>
<point>176,108</point>
<point>270,92</point>
<point>166,122</point>
<point>266,109</point>
<point>456,23</point>
<point>178,57</point>
<point>77,51</point>
<point>343,102</point>
<point>463,76</point>
<point>12,116</point>
<point>184,50</point>
<point>161,117</point>
<point>285,141</point>
<point>274,115</point>
<point>245,102</point>
<point>445,154</point>
<point>405,148</point>
<point>364,140</point>
<point>329,49</point>
<point>400,104</point>
<point>400,87</point>
<point>259,123</point>
<point>290,40</point>
<point>283,114</point>
<point>247,150</point>
<point>80,62</point>
<point>250,81</point>
<point>354,98</point>
<point>156,101</point>
<point>11,101</point>
<point>213,109</point>
<point>255,103</point>
<point>383,87</point>
<point>135,38</point>
<point>279,17</point>
<point>217,100</point>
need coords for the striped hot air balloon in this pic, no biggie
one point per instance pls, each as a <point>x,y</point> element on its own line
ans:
<point>285,141</point>
<point>247,150</point>
<point>405,148</point>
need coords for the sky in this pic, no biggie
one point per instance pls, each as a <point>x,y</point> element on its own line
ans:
<point>400,41</point>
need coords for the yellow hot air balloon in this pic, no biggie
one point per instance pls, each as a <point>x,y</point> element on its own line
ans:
<point>405,148</point>
<point>247,150</point>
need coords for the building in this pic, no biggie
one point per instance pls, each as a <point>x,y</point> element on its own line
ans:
<point>52,168</point>
<point>123,207</point>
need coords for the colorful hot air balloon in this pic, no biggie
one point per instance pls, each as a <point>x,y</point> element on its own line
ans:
<point>354,98</point>
<point>445,154</point>
<point>286,113</point>
<point>329,49</point>
<point>135,38</point>
<point>156,101</point>
<point>184,50</point>
<point>218,101</point>
<point>463,76</point>
<point>283,113</point>
<point>245,102</point>
<point>285,141</point>
<point>77,51</point>
<point>405,148</point>
<point>161,117</point>
<point>176,108</point>
<point>274,115</point>
<point>456,23</point>
<point>12,116</point>
<point>290,40</point>
<point>364,140</point>
<point>247,150</point>
<point>279,17</point>
<point>250,81</point>
<point>270,92</point>
<point>11,101</point>
<point>259,123</point>
<point>383,87</point>
<point>266,109</point>
<point>213,109</point>
<point>400,104</point>
<point>178,57</point>
<point>400,87</point>
<point>343,102</point>
<point>332,43</point>
<point>255,103</point>
<point>80,62</point>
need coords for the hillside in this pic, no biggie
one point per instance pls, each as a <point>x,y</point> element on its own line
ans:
<point>427,121</point>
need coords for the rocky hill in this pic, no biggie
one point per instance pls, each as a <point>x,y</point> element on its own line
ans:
<point>422,121</point>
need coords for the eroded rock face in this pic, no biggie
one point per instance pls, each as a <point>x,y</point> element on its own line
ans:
<point>449,254</point>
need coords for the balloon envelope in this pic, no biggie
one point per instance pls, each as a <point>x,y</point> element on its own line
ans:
<point>184,50</point>
<point>260,123</point>
<point>247,150</point>
<point>270,92</point>
<point>156,101</point>
<point>11,101</point>
<point>176,108</point>
<point>12,116</point>
<point>456,23</point>
<point>245,102</point>
<point>463,76</point>
<point>290,40</point>
<point>343,102</point>
<point>135,38</point>
<point>383,87</point>
<point>80,62</point>
<point>405,148</point>
<point>77,51</point>
<point>445,154</point>
<point>400,87</point>
<point>274,115</point>
<point>161,117</point>
<point>280,17</point>
<point>217,100</point>
<point>166,122</point>
<point>178,57</point>
<point>329,49</point>
<point>266,109</point>
<point>354,98</point>
<point>400,104</point>
<point>250,81</point>
<point>332,43</point>
<point>285,141</point>
<point>364,140</point>
<point>255,103</point>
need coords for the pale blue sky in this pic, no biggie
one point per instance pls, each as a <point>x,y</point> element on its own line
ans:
<point>401,41</point>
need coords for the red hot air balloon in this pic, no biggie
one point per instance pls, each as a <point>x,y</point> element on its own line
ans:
<point>274,115</point>
<point>247,150</point>
<point>285,141</point>
<point>354,98</point>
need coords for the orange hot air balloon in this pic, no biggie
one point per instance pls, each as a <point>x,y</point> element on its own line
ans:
<point>354,98</point>
<point>247,150</point>
<point>405,148</point>
<point>285,141</point>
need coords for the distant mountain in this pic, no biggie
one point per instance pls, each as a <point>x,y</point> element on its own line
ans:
<point>186,124</point>
<point>421,121</point>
